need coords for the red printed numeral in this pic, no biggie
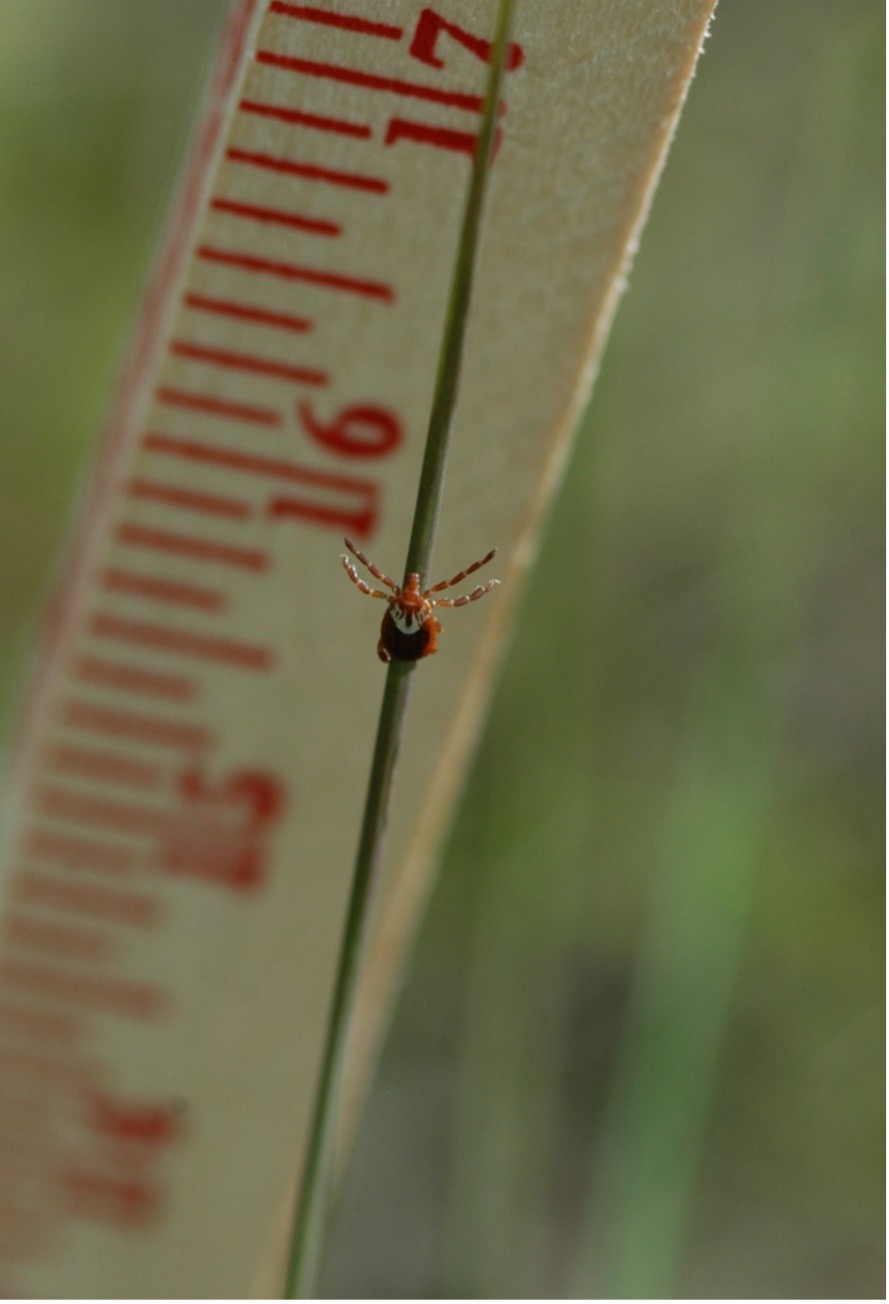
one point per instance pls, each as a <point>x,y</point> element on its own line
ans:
<point>429,27</point>
<point>354,509</point>
<point>223,837</point>
<point>362,430</point>
<point>424,47</point>
<point>342,502</point>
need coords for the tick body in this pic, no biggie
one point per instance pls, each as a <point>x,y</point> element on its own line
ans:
<point>409,630</point>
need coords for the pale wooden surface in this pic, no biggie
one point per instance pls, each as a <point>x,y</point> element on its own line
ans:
<point>590,114</point>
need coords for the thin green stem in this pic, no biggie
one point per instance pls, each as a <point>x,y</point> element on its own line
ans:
<point>311,1208</point>
<point>444,399</point>
<point>314,1194</point>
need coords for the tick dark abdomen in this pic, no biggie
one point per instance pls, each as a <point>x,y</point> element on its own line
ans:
<point>405,647</point>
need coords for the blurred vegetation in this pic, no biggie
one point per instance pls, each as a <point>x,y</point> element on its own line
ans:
<point>639,1051</point>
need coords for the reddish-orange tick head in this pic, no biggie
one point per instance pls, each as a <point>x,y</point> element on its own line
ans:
<point>409,628</point>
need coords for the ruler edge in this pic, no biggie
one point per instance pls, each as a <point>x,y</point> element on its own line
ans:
<point>78,546</point>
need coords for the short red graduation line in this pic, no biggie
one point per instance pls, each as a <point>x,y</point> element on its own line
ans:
<point>346,22</point>
<point>309,171</point>
<point>293,272</point>
<point>181,642</point>
<point>133,680</point>
<point>235,460</point>
<point>218,407</point>
<point>110,722</point>
<point>247,312</point>
<point>313,121</point>
<point>175,496</point>
<point>183,545</point>
<point>155,588</point>
<point>227,359</point>
<point>276,217</point>
<point>371,81</point>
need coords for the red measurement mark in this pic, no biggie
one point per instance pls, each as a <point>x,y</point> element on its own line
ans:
<point>431,25</point>
<point>159,590</point>
<point>141,1122</point>
<point>182,545</point>
<point>309,171</point>
<point>235,461</point>
<point>42,1024</point>
<point>134,909</point>
<point>63,941</point>
<point>246,362</point>
<point>188,500</point>
<point>77,853</point>
<point>136,728</point>
<point>123,816</point>
<point>134,1000</point>
<point>276,217</point>
<point>315,121</point>
<point>160,638</point>
<point>290,272</point>
<point>218,407</point>
<point>108,767</point>
<point>364,494</point>
<point>348,22</point>
<point>372,82</point>
<point>122,1202</point>
<point>15,1061</point>
<point>421,133</point>
<point>246,312</point>
<point>133,679</point>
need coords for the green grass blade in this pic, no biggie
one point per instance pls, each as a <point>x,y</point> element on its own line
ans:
<point>314,1195</point>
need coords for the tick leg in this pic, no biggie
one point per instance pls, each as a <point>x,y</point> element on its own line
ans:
<point>455,579</point>
<point>375,572</point>
<point>465,597</point>
<point>356,579</point>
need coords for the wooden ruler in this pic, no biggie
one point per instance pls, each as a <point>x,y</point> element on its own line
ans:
<point>187,785</point>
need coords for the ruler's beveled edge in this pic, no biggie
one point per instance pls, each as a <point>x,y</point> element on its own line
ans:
<point>100,476</point>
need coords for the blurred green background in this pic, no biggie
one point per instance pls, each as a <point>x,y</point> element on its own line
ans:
<point>639,1050</point>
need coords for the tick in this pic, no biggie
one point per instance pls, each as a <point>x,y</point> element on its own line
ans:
<point>409,627</point>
